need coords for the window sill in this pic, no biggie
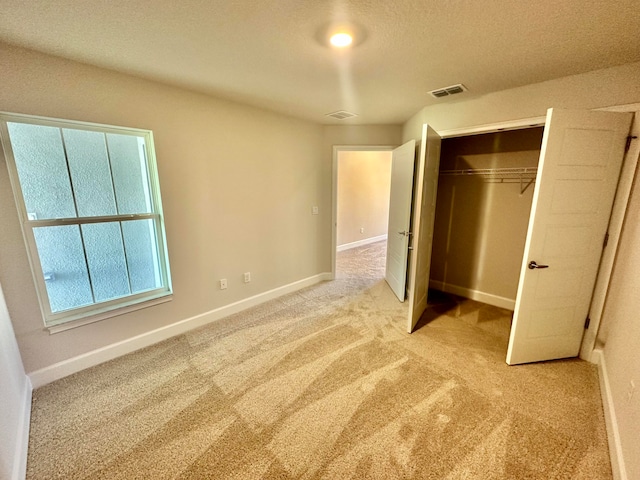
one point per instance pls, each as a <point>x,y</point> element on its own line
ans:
<point>162,298</point>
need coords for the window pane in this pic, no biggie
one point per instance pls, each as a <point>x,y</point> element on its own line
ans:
<point>105,255</point>
<point>90,172</point>
<point>77,172</point>
<point>142,254</point>
<point>63,266</point>
<point>42,170</point>
<point>130,177</point>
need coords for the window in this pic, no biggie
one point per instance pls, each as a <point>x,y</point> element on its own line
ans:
<point>89,204</point>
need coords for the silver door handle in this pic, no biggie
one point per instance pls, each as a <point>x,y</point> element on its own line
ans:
<point>533,264</point>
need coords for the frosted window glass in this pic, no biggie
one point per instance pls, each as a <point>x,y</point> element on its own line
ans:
<point>129,173</point>
<point>90,172</point>
<point>69,173</point>
<point>63,266</point>
<point>105,255</point>
<point>42,170</point>
<point>142,254</point>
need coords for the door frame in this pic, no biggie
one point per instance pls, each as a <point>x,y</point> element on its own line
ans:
<point>334,190</point>
<point>616,221</point>
<point>529,122</point>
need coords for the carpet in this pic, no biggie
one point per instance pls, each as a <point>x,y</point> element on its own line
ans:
<point>325,383</point>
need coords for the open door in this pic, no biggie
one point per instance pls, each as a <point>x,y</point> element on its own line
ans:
<point>402,162</point>
<point>578,173</point>
<point>426,191</point>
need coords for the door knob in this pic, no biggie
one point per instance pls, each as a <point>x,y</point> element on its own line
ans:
<point>533,264</point>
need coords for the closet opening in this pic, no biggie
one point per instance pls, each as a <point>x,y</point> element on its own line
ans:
<point>485,191</point>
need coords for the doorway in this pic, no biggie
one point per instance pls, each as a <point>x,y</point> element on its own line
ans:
<point>571,206</point>
<point>361,183</point>
<point>485,190</point>
<point>364,180</point>
<point>484,196</point>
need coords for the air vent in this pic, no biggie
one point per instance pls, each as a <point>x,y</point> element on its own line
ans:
<point>445,92</point>
<point>341,115</point>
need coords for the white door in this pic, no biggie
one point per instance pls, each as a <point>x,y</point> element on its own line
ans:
<point>426,188</point>
<point>402,161</point>
<point>577,177</point>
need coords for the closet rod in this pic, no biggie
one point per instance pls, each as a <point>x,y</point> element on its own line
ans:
<point>499,175</point>
<point>494,172</point>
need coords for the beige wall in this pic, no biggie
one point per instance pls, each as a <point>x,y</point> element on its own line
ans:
<point>364,182</point>
<point>237,183</point>
<point>481,227</point>
<point>363,135</point>
<point>619,335</point>
<point>13,389</point>
<point>601,88</point>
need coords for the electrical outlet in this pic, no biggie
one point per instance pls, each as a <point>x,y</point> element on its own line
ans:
<point>362,230</point>
<point>247,277</point>
<point>223,284</point>
<point>631,391</point>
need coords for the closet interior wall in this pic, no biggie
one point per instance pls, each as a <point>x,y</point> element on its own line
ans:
<point>482,214</point>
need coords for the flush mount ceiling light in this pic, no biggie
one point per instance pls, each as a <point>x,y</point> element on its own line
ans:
<point>341,35</point>
<point>341,40</point>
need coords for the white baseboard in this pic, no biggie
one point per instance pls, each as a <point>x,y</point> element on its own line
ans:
<point>22,437</point>
<point>67,367</point>
<point>613,434</point>
<point>359,243</point>
<point>477,295</point>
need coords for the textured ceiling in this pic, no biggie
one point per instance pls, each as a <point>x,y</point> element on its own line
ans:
<point>266,53</point>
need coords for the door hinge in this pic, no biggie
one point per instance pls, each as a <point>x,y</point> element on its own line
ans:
<point>628,146</point>
<point>587,322</point>
<point>606,240</point>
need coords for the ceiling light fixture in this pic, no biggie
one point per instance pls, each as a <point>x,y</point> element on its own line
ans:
<point>340,35</point>
<point>341,40</point>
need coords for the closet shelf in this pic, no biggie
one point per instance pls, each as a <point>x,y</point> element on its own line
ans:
<point>526,176</point>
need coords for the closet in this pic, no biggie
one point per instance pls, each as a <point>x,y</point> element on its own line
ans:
<point>485,191</point>
<point>482,232</point>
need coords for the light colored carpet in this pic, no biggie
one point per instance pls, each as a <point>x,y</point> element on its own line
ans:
<point>325,384</point>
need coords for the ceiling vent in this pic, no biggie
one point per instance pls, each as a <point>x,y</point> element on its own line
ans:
<point>445,92</point>
<point>341,114</point>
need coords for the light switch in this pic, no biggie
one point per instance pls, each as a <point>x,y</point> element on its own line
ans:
<point>314,210</point>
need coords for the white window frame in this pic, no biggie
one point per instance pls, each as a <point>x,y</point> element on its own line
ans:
<point>64,320</point>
